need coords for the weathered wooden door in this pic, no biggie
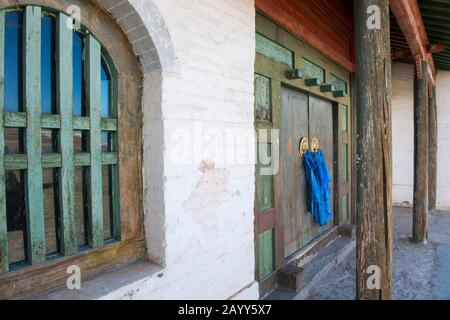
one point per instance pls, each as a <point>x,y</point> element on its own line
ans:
<point>313,103</point>
<point>301,116</point>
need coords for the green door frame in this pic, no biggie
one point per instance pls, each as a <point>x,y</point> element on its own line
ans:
<point>278,52</point>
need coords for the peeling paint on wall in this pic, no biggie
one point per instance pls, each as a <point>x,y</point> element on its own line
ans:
<point>210,192</point>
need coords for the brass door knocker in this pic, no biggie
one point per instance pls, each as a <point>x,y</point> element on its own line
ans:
<point>304,146</point>
<point>315,147</point>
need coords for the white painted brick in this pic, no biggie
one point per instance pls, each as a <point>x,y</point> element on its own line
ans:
<point>403,135</point>
<point>208,215</point>
<point>443,167</point>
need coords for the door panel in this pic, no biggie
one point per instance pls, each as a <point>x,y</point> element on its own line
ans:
<point>301,116</point>
<point>321,126</point>
<point>294,126</point>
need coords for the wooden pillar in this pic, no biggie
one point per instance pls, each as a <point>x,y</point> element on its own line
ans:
<point>432,149</point>
<point>374,154</point>
<point>420,216</point>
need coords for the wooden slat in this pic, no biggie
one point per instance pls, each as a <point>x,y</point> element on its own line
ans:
<point>109,124</point>
<point>20,161</point>
<point>64,99</point>
<point>16,162</point>
<point>82,160</point>
<point>80,123</point>
<point>15,119</point>
<point>32,98</point>
<point>110,158</point>
<point>51,161</point>
<point>4,264</point>
<point>93,63</point>
<point>52,121</point>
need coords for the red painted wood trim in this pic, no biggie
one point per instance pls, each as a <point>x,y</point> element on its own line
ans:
<point>266,220</point>
<point>410,21</point>
<point>423,37</point>
<point>420,25</point>
<point>312,28</point>
<point>430,49</point>
<point>435,48</point>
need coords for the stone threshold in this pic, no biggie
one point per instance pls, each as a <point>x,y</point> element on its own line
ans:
<point>302,274</point>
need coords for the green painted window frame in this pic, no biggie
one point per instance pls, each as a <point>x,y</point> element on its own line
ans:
<point>313,70</point>
<point>274,51</point>
<point>345,146</point>
<point>345,207</point>
<point>344,124</point>
<point>32,121</point>
<point>345,164</point>
<point>339,84</point>
<point>266,253</point>
<point>345,173</point>
<point>260,105</point>
<point>264,183</point>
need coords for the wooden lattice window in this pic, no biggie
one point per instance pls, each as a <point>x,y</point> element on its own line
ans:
<point>59,188</point>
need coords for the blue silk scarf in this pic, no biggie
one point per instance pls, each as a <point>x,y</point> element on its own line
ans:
<point>318,179</point>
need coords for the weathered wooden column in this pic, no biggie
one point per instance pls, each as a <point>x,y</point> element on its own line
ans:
<point>374,154</point>
<point>432,149</point>
<point>420,215</point>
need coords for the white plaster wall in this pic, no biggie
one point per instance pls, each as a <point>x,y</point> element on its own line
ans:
<point>443,115</point>
<point>403,135</point>
<point>203,235</point>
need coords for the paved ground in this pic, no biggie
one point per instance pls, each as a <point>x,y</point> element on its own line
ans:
<point>420,271</point>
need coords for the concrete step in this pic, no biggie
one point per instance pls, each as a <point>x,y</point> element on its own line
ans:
<point>299,277</point>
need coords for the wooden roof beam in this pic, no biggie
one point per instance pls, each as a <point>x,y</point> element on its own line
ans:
<point>436,48</point>
<point>407,14</point>
<point>398,54</point>
<point>430,49</point>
